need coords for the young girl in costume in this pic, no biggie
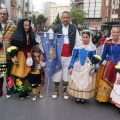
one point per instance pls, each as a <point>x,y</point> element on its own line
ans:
<point>82,82</point>
<point>36,61</point>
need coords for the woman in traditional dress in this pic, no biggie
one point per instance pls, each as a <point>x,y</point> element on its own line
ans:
<point>82,82</point>
<point>106,75</point>
<point>23,39</point>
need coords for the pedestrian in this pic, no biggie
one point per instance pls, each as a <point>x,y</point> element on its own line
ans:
<point>36,61</point>
<point>24,39</point>
<point>82,81</point>
<point>70,39</point>
<point>106,75</point>
<point>6,32</point>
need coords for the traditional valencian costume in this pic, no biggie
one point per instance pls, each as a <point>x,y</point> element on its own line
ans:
<point>106,75</point>
<point>81,84</point>
<point>20,71</point>
<point>115,94</point>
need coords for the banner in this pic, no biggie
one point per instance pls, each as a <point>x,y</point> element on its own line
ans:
<point>52,50</point>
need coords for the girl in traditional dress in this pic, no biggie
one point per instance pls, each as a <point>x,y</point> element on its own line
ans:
<point>106,75</point>
<point>82,82</point>
<point>36,61</point>
<point>24,39</point>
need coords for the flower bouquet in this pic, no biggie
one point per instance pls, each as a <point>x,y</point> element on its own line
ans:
<point>96,59</point>
<point>117,68</point>
<point>13,50</point>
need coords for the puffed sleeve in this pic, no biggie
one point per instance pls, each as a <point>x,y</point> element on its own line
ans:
<point>105,52</point>
<point>29,61</point>
<point>75,52</point>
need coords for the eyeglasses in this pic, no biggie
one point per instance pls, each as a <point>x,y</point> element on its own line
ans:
<point>3,13</point>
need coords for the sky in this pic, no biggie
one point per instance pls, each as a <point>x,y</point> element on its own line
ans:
<point>38,4</point>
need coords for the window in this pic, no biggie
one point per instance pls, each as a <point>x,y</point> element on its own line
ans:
<point>98,4</point>
<point>92,4</point>
<point>91,12</point>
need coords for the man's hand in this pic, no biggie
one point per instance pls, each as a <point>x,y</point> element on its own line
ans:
<point>92,72</point>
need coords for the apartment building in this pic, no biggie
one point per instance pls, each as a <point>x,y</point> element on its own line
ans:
<point>46,11</point>
<point>115,10</point>
<point>55,9</point>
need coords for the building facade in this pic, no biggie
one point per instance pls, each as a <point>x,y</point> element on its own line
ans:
<point>46,11</point>
<point>115,10</point>
<point>55,9</point>
<point>96,11</point>
<point>11,7</point>
<point>2,3</point>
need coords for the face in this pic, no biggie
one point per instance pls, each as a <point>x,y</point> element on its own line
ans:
<point>86,39</point>
<point>26,26</point>
<point>115,33</point>
<point>3,15</point>
<point>36,54</point>
<point>65,18</point>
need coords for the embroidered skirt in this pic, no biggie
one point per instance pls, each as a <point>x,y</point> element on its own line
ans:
<point>105,79</point>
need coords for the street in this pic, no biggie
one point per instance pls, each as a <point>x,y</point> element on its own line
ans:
<point>55,109</point>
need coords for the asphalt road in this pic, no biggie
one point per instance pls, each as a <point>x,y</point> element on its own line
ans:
<point>55,109</point>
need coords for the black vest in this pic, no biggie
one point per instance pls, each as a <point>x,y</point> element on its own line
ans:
<point>71,34</point>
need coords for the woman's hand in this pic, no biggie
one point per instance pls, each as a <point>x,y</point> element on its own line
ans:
<point>92,72</point>
<point>70,71</point>
<point>14,60</point>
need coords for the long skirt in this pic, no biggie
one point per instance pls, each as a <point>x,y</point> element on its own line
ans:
<point>18,81</point>
<point>81,84</point>
<point>115,94</point>
<point>105,79</point>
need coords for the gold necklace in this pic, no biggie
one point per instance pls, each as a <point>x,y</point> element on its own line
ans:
<point>27,36</point>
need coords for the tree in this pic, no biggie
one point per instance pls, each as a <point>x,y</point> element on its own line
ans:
<point>34,20</point>
<point>77,17</point>
<point>42,20</point>
<point>57,20</point>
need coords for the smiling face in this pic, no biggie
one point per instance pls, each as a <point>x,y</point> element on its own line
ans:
<point>115,33</point>
<point>86,38</point>
<point>26,26</point>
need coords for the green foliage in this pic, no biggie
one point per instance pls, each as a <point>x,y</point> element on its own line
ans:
<point>77,17</point>
<point>57,20</point>
<point>41,20</point>
<point>34,20</point>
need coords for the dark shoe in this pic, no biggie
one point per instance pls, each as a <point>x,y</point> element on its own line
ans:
<point>78,100</point>
<point>119,110</point>
<point>27,95</point>
<point>82,101</point>
<point>21,97</point>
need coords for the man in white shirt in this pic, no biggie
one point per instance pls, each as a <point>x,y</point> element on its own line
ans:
<point>71,38</point>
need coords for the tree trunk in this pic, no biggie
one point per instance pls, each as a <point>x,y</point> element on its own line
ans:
<point>27,8</point>
<point>23,9</point>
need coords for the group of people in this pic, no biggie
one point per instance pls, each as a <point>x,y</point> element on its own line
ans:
<point>81,78</point>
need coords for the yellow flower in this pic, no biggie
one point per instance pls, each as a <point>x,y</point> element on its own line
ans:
<point>18,82</point>
<point>117,66</point>
<point>97,56</point>
<point>12,48</point>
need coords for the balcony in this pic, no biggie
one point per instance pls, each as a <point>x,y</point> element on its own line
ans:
<point>13,2</point>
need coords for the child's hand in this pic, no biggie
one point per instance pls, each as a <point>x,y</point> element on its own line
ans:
<point>70,71</point>
<point>28,54</point>
<point>92,72</point>
<point>41,62</point>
